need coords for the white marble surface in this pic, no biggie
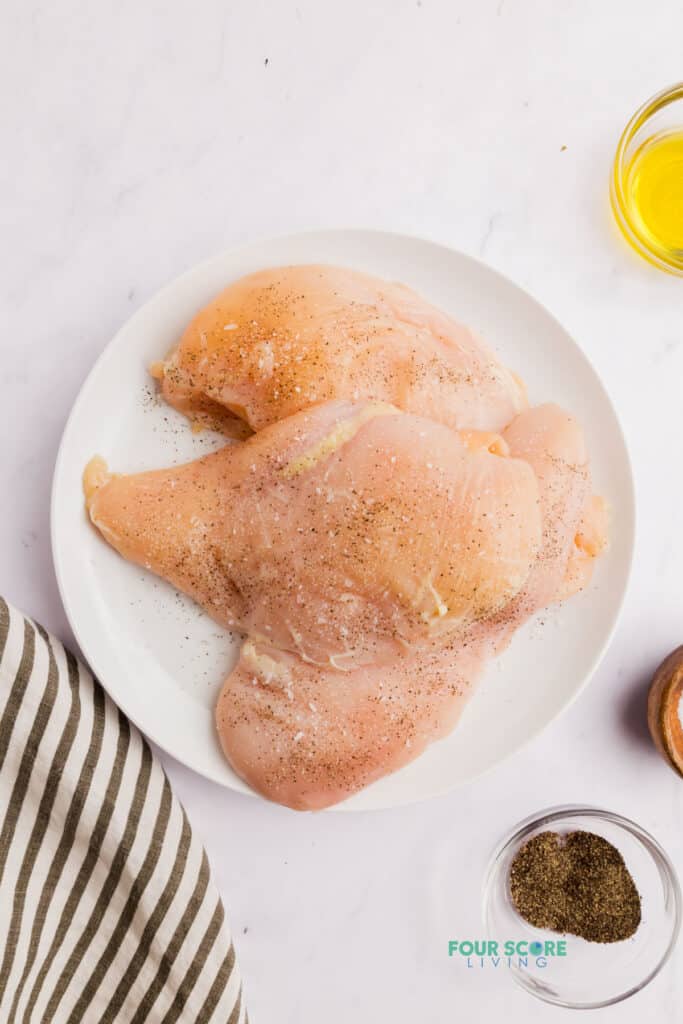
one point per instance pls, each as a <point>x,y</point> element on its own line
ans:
<point>140,137</point>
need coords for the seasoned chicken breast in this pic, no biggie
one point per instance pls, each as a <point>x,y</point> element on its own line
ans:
<point>342,534</point>
<point>309,736</point>
<point>395,514</point>
<point>280,340</point>
<point>374,559</point>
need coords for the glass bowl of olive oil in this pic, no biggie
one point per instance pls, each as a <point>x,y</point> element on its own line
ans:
<point>647,180</point>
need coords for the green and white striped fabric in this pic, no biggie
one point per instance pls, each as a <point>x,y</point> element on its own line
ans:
<point>107,907</point>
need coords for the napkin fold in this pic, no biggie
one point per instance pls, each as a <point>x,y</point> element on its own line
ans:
<point>108,912</point>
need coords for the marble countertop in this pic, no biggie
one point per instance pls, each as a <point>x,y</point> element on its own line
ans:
<point>143,137</point>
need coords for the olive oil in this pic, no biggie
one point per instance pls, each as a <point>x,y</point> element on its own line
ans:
<point>653,192</point>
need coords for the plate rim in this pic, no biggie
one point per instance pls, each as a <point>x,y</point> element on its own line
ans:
<point>237,785</point>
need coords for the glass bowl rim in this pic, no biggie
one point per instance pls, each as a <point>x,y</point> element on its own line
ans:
<point>644,838</point>
<point>617,191</point>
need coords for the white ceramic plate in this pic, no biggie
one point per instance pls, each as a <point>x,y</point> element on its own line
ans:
<point>162,659</point>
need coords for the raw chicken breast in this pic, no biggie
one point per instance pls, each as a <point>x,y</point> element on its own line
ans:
<point>552,443</point>
<point>397,514</point>
<point>308,736</point>
<point>376,560</point>
<point>343,534</point>
<point>280,340</point>
<point>590,541</point>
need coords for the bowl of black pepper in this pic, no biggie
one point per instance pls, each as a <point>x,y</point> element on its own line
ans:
<point>582,907</point>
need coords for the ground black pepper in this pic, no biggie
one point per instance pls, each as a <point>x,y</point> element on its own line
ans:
<point>576,883</point>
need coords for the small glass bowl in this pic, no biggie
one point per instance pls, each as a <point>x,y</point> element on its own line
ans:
<point>662,113</point>
<point>591,974</point>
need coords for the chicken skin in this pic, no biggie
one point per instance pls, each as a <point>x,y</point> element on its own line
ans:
<point>280,340</point>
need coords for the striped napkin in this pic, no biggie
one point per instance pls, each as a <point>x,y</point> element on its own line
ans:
<point>107,907</point>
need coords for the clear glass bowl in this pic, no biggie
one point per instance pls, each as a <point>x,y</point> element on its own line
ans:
<point>661,114</point>
<point>591,974</point>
